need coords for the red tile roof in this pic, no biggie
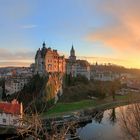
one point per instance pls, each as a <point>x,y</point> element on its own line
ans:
<point>10,108</point>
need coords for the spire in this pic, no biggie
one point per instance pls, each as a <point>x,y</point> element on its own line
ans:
<point>43,50</point>
<point>72,47</point>
<point>44,45</point>
<point>72,54</point>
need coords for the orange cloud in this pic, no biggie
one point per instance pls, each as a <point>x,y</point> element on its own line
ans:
<point>104,60</point>
<point>20,57</point>
<point>123,35</point>
<point>15,64</point>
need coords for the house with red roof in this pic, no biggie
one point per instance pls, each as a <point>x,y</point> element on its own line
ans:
<point>10,113</point>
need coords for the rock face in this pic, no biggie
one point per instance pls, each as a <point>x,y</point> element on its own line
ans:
<point>53,88</point>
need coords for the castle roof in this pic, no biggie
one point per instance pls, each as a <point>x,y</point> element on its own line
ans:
<point>82,63</point>
<point>44,50</point>
<point>37,53</point>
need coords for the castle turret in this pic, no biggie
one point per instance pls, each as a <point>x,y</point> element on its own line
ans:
<point>43,50</point>
<point>39,63</point>
<point>44,45</point>
<point>72,54</point>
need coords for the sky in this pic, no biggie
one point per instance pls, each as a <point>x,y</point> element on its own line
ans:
<point>106,31</point>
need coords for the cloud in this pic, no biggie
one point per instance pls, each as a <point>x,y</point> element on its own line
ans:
<point>29,26</point>
<point>16,64</point>
<point>18,55</point>
<point>122,33</point>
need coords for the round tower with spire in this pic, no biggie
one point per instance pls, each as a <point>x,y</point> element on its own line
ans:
<point>72,56</point>
<point>44,44</point>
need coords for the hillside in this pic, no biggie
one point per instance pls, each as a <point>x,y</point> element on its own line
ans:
<point>80,88</point>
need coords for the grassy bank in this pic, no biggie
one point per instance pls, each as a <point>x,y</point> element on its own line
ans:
<point>67,108</point>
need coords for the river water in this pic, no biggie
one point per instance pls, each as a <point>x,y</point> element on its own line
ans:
<point>107,125</point>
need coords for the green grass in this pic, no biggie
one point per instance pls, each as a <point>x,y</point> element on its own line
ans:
<point>124,97</point>
<point>129,96</point>
<point>67,107</point>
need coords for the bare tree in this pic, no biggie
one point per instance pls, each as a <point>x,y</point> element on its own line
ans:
<point>130,121</point>
<point>35,127</point>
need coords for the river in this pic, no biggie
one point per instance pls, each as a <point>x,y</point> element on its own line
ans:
<point>108,125</point>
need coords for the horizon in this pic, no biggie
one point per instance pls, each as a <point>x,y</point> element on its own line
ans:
<point>91,59</point>
<point>102,61</point>
<point>103,32</point>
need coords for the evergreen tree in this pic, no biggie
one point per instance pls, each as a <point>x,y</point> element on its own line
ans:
<point>3,90</point>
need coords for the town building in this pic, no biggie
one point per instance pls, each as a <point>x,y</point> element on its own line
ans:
<point>130,80</point>
<point>103,73</point>
<point>23,72</point>
<point>10,113</point>
<point>15,84</point>
<point>77,67</point>
<point>8,72</point>
<point>49,61</point>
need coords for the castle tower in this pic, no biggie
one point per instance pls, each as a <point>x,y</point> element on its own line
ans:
<point>44,44</point>
<point>72,54</point>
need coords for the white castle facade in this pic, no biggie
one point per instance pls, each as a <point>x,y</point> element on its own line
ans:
<point>77,67</point>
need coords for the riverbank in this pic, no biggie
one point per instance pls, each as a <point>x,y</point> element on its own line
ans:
<point>69,108</point>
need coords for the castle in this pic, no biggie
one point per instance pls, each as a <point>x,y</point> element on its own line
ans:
<point>77,67</point>
<point>48,61</point>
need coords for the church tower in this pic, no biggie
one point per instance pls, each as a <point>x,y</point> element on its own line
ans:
<point>72,54</point>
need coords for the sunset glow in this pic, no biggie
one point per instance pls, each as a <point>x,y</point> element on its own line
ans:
<point>101,31</point>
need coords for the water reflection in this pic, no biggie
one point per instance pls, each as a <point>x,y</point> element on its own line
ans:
<point>98,116</point>
<point>121,123</point>
<point>112,116</point>
<point>130,121</point>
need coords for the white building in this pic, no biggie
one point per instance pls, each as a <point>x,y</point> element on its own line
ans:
<point>102,73</point>
<point>18,84</point>
<point>77,67</point>
<point>25,71</point>
<point>15,85</point>
<point>83,68</point>
<point>10,113</point>
<point>105,76</point>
